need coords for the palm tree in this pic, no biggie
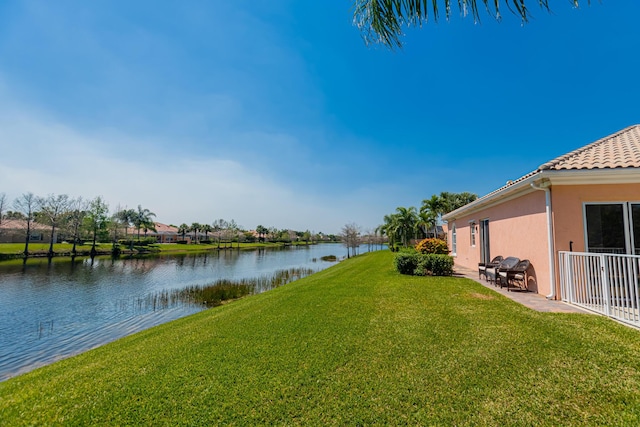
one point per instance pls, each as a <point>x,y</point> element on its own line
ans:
<point>206,229</point>
<point>195,228</point>
<point>142,219</point>
<point>430,212</point>
<point>147,225</point>
<point>262,231</point>
<point>127,217</point>
<point>390,229</point>
<point>183,230</point>
<point>407,221</point>
<point>382,21</point>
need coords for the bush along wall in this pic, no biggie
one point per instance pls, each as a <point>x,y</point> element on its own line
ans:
<point>418,264</point>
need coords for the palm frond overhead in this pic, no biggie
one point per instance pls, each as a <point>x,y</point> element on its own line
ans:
<point>381,21</point>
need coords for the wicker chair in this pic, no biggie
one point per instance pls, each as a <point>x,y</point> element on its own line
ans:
<point>482,267</point>
<point>492,272</point>
<point>516,276</point>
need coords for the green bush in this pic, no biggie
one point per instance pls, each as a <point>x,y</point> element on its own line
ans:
<point>418,264</point>
<point>441,265</point>
<point>432,246</point>
<point>145,241</point>
<point>423,266</point>
<point>406,262</point>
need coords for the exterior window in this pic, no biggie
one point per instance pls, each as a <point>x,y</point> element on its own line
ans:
<point>612,228</point>
<point>635,226</point>
<point>472,232</point>
<point>453,240</point>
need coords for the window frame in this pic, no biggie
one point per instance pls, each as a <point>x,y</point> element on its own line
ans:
<point>454,242</point>
<point>627,219</point>
<point>472,233</point>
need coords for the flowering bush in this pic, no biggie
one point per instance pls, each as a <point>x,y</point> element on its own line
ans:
<point>432,246</point>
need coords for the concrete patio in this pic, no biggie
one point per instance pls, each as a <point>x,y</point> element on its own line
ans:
<point>528,299</point>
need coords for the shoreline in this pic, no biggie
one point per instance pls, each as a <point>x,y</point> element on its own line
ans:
<point>155,249</point>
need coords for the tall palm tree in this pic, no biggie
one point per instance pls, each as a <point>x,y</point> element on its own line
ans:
<point>206,229</point>
<point>430,212</point>
<point>148,225</point>
<point>195,228</point>
<point>142,219</point>
<point>262,231</point>
<point>407,221</point>
<point>391,229</point>
<point>183,229</point>
<point>382,21</point>
<point>127,217</point>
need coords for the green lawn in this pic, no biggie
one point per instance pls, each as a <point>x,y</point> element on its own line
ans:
<point>356,344</point>
<point>43,248</point>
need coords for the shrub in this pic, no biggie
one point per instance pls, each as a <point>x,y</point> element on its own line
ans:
<point>418,264</point>
<point>432,246</point>
<point>423,266</point>
<point>441,265</point>
<point>145,241</point>
<point>406,262</point>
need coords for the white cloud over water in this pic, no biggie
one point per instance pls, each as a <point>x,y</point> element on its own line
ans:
<point>43,156</point>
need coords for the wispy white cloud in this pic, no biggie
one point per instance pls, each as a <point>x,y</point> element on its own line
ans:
<point>44,156</point>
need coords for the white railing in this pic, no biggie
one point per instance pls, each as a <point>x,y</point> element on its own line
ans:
<point>604,283</point>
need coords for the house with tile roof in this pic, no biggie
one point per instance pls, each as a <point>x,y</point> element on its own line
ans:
<point>15,231</point>
<point>163,233</point>
<point>586,201</point>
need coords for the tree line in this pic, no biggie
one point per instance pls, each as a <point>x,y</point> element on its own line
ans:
<point>352,237</point>
<point>409,223</point>
<point>80,220</point>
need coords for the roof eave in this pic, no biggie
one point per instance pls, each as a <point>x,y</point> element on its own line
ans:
<point>517,189</point>
<point>593,176</point>
<point>556,177</point>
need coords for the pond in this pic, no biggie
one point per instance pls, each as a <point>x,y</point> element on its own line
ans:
<point>49,311</point>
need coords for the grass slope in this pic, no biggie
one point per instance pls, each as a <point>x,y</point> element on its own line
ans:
<point>355,344</point>
<point>13,250</point>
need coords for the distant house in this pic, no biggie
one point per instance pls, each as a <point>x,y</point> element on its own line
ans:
<point>15,231</point>
<point>586,201</point>
<point>164,233</point>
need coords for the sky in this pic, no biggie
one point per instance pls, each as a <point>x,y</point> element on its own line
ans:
<point>277,113</point>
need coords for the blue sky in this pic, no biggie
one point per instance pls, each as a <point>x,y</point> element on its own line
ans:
<point>277,113</point>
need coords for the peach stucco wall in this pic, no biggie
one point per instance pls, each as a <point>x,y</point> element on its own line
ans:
<point>517,228</point>
<point>568,201</point>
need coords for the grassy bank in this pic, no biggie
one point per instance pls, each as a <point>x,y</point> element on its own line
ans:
<point>354,344</point>
<point>15,250</point>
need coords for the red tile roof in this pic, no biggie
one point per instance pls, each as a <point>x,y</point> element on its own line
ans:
<point>620,150</point>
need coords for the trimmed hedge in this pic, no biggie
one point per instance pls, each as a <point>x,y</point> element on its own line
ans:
<point>417,264</point>
<point>145,241</point>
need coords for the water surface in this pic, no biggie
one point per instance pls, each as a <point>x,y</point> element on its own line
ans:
<point>53,310</point>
